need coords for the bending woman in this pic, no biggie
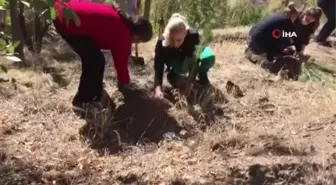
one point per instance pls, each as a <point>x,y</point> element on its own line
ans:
<point>176,49</point>
<point>102,27</point>
<point>263,38</point>
<point>307,24</point>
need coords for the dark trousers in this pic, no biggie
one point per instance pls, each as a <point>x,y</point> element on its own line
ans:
<point>257,49</point>
<point>179,81</point>
<point>329,11</point>
<point>93,66</point>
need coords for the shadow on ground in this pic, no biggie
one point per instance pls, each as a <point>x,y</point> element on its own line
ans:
<point>257,174</point>
<point>14,171</point>
<point>291,173</point>
<point>140,119</point>
<point>208,99</point>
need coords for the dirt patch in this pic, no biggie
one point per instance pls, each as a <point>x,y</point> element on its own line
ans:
<point>204,104</point>
<point>139,120</point>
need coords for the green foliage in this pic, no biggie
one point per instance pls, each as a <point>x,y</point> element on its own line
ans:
<point>216,13</point>
<point>11,47</point>
<point>53,13</point>
<point>316,73</point>
<point>245,14</point>
<point>32,8</point>
<point>3,4</point>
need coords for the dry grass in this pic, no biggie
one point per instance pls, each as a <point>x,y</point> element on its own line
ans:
<point>279,132</point>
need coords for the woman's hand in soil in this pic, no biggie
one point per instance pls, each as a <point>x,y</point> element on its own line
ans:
<point>158,94</point>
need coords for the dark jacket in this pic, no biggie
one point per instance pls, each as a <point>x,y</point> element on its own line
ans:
<point>105,26</point>
<point>164,54</point>
<point>261,33</point>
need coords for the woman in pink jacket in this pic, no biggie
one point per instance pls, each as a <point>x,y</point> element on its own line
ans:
<point>101,27</point>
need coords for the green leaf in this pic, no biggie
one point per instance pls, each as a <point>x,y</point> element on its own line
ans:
<point>16,44</point>
<point>4,3</point>
<point>25,3</point>
<point>53,13</point>
<point>3,68</point>
<point>11,49</point>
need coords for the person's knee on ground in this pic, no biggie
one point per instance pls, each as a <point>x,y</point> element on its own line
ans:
<point>253,49</point>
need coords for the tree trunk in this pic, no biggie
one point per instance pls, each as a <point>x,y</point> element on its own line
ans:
<point>16,28</point>
<point>147,9</point>
<point>2,18</point>
<point>38,30</point>
<point>28,40</point>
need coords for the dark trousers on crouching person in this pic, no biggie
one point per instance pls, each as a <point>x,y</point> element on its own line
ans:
<point>267,55</point>
<point>90,87</point>
<point>202,65</point>
<point>329,11</point>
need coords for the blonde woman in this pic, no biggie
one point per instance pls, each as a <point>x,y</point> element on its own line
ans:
<point>175,48</point>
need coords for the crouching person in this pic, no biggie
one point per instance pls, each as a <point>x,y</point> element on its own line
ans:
<point>265,38</point>
<point>102,27</point>
<point>176,49</point>
<point>307,24</point>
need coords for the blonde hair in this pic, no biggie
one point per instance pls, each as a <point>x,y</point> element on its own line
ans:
<point>291,10</point>
<point>176,22</point>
